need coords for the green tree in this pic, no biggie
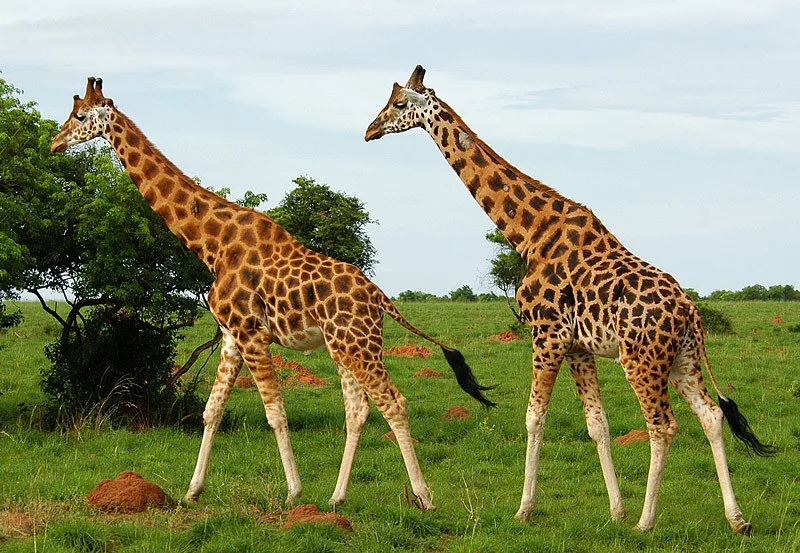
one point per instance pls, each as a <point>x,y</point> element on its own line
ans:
<point>416,295</point>
<point>76,225</point>
<point>463,293</point>
<point>328,222</point>
<point>508,269</point>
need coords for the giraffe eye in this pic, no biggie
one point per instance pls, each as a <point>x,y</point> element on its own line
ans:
<point>400,105</point>
<point>80,116</point>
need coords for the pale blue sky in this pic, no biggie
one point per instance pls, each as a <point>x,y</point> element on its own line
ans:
<point>677,122</point>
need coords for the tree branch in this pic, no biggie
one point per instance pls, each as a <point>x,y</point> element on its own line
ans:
<point>193,357</point>
<point>47,308</point>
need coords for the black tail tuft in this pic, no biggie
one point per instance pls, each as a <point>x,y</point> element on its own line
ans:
<point>741,429</point>
<point>465,377</point>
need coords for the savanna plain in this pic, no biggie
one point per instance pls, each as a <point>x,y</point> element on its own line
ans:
<point>474,466</point>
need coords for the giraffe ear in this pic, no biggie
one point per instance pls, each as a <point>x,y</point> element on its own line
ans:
<point>415,98</point>
<point>415,80</point>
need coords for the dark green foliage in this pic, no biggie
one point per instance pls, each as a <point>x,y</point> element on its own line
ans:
<point>692,293</point>
<point>793,328</point>
<point>714,320</point>
<point>7,320</point>
<point>118,366</point>
<point>416,295</point>
<point>508,267</point>
<point>327,222</point>
<point>757,292</point>
<point>463,293</point>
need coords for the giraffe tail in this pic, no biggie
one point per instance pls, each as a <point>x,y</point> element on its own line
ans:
<point>736,420</point>
<point>464,375</point>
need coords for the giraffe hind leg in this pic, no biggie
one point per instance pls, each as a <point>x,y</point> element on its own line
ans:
<point>649,382</point>
<point>365,365</point>
<point>687,379</point>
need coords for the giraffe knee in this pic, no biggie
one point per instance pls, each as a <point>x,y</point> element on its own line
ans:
<point>598,429</point>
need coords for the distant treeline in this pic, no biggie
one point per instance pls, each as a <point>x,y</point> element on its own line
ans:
<point>756,292</point>
<point>464,293</point>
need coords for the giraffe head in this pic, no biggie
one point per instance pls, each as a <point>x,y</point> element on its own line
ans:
<point>405,109</point>
<point>89,119</point>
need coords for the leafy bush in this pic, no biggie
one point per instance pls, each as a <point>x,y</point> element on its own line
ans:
<point>714,320</point>
<point>117,367</point>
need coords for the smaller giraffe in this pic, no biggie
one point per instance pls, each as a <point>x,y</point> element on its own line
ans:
<point>584,295</point>
<point>268,288</point>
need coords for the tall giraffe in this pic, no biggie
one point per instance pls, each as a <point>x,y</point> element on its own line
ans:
<point>584,295</point>
<point>268,289</point>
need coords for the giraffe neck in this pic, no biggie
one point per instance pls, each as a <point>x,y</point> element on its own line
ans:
<point>526,211</point>
<point>183,205</point>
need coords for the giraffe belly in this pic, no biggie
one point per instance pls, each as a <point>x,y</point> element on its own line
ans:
<point>308,339</point>
<point>603,344</point>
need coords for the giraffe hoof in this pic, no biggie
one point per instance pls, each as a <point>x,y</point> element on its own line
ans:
<point>744,528</point>
<point>618,515</point>
<point>524,515</point>
<point>335,501</point>
<point>640,528</point>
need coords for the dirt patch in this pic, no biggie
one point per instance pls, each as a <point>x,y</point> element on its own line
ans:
<point>633,436</point>
<point>300,374</point>
<point>457,414</point>
<point>408,350</point>
<point>777,319</point>
<point>245,382</point>
<point>505,337</point>
<point>310,514</point>
<point>128,493</point>
<point>427,373</point>
<point>392,438</point>
<point>16,524</point>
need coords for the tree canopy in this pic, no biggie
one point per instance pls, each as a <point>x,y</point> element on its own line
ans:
<point>328,222</point>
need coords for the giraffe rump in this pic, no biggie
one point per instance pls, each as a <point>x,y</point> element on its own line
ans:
<point>741,428</point>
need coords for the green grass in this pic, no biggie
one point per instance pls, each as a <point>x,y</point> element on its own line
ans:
<point>474,467</point>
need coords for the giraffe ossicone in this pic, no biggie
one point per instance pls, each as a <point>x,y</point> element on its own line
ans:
<point>268,288</point>
<point>585,295</point>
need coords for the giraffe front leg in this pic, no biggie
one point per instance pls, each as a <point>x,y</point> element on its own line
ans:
<point>546,362</point>
<point>230,363</point>
<point>584,372</point>
<point>259,361</point>
<point>356,406</point>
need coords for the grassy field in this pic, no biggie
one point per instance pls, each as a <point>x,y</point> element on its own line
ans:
<point>473,467</point>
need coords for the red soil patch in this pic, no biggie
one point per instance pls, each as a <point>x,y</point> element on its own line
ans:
<point>310,514</point>
<point>245,382</point>
<point>408,351</point>
<point>633,436</point>
<point>392,438</point>
<point>505,337</point>
<point>456,414</point>
<point>14,524</point>
<point>300,374</point>
<point>777,319</point>
<point>128,493</point>
<point>427,373</point>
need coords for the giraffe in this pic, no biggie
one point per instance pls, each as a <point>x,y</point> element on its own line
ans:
<point>584,295</point>
<point>268,288</point>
